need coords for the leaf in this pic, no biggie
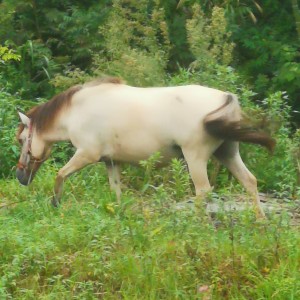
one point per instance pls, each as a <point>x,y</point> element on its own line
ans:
<point>156,231</point>
<point>110,208</point>
<point>46,72</point>
<point>252,16</point>
<point>145,187</point>
<point>258,7</point>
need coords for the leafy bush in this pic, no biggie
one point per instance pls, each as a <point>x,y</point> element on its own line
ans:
<point>277,172</point>
<point>70,77</point>
<point>8,116</point>
<point>136,43</point>
<point>7,54</point>
<point>30,77</point>
<point>93,248</point>
<point>209,39</point>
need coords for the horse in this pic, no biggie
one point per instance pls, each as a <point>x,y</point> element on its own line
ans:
<point>107,120</point>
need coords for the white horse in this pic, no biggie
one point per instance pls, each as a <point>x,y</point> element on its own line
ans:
<point>109,121</point>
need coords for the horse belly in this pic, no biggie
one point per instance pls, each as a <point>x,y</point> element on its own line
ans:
<point>139,147</point>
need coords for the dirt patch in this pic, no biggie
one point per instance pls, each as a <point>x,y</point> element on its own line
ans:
<point>270,204</point>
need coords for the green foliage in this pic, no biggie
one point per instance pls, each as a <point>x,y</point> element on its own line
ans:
<point>50,36</point>
<point>266,35</point>
<point>238,11</point>
<point>91,247</point>
<point>180,184</point>
<point>209,40</point>
<point>149,246</point>
<point>167,182</point>
<point>7,54</point>
<point>269,51</point>
<point>34,71</point>
<point>69,78</point>
<point>278,172</point>
<point>68,28</point>
<point>9,150</point>
<point>136,43</point>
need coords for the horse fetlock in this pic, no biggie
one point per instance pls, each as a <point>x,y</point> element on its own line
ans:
<point>260,214</point>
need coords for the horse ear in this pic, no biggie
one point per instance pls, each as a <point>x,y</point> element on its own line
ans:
<point>25,120</point>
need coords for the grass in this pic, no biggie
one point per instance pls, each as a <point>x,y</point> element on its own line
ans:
<point>145,248</point>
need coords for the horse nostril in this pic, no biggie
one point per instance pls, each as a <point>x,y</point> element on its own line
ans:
<point>19,172</point>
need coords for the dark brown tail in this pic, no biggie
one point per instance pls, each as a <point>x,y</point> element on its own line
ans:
<point>223,128</point>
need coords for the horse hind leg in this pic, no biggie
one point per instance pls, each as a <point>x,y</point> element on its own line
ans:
<point>197,165</point>
<point>113,170</point>
<point>228,154</point>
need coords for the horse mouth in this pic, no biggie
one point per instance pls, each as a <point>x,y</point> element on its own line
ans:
<point>23,176</point>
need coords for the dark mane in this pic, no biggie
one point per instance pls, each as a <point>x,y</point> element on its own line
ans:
<point>42,116</point>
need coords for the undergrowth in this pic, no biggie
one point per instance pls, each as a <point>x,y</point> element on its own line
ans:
<point>147,247</point>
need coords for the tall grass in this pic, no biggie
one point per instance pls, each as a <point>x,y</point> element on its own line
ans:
<point>145,248</point>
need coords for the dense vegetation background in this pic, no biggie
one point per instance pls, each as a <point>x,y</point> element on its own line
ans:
<point>248,47</point>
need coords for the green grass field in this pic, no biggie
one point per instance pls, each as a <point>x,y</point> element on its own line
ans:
<point>145,248</point>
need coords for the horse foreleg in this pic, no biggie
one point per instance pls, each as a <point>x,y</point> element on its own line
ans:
<point>114,171</point>
<point>77,162</point>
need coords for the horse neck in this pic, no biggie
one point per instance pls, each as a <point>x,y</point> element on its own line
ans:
<point>57,132</point>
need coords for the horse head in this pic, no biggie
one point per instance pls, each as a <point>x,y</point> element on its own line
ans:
<point>33,153</point>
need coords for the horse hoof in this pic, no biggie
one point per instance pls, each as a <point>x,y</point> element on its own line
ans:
<point>260,216</point>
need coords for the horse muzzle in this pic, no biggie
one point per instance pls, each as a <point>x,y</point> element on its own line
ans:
<point>22,176</point>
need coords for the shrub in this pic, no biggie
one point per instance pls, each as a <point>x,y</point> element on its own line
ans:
<point>136,43</point>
